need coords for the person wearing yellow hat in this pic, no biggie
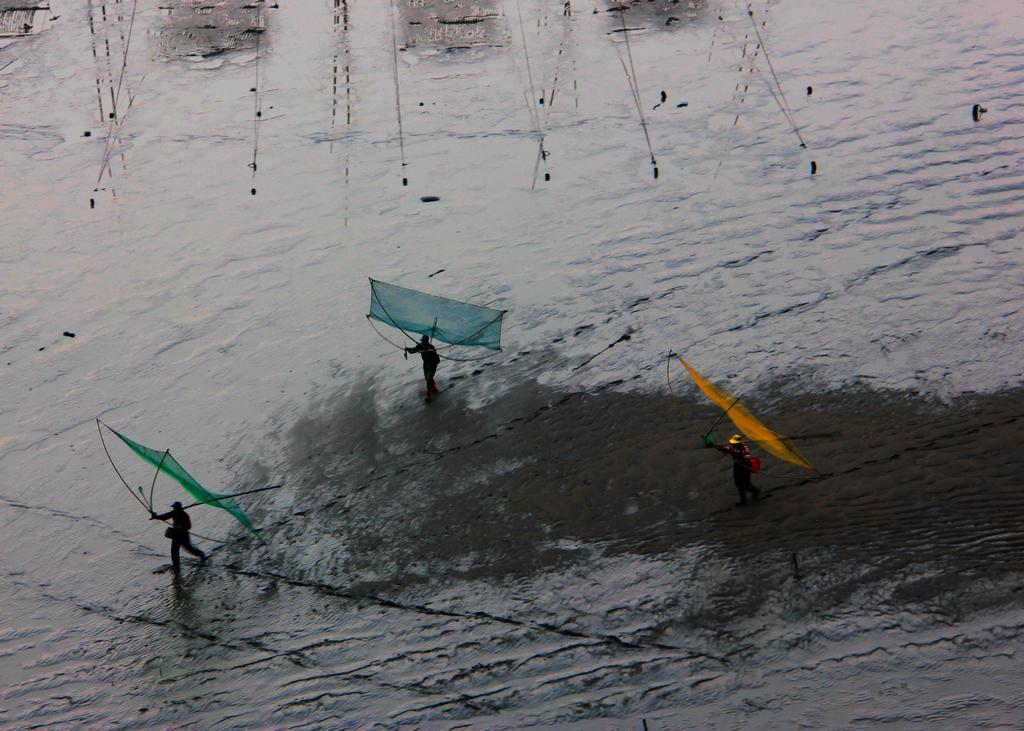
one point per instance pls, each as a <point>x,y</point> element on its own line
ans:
<point>742,464</point>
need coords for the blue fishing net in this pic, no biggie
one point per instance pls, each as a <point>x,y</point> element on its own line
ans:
<point>450,321</point>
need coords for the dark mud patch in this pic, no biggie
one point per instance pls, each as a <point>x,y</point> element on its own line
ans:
<point>443,25</point>
<point>648,15</point>
<point>209,29</point>
<point>543,478</point>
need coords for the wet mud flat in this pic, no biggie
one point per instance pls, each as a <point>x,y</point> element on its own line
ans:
<point>540,466</point>
<point>448,26</point>
<point>201,29</point>
<point>562,559</point>
<point>23,18</point>
<point>562,554</point>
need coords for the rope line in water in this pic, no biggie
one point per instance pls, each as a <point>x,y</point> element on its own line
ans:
<point>124,59</point>
<point>530,97</point>
<point>256,111</point>
<point>740,97</point>
<point>116,97</point>
<point>634,85</point>
<point>783,102</point>
<point>216,500</point>
<point>714,36</point>
<point>532,102</point>
<point>558,64</point>
<point>398,97</point>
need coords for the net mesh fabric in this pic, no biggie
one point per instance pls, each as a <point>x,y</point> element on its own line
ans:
<point>746,422</point>
<point>440,318</point>
<point>173,469</point>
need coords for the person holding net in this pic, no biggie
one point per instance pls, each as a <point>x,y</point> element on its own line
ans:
<point>434,319</point>
<point>742,465</point>
<point>431,360</point>
<point>181,524</point>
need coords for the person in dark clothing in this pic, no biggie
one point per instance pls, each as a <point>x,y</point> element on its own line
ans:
<point>430,362</point>
<point>178,533</point>
<point>741,465</point>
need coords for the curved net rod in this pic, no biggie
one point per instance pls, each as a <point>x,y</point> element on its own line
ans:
<point>453,322</point>
<point>387,314</point>
<point>387,340</point>
<point>383,337</point>
<point>166,463</point>
<point>106,451</point>
<point>760,473</point>
<point>474,334</point>
<point>149,508</point>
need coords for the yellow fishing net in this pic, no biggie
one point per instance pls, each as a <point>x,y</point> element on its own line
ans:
<point>746,422</point>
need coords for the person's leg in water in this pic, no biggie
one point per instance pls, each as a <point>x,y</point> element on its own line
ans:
<point>428,376</point>
<point>175,549</point>
<point>741,476</point>
<point>737,478</point>
<point>187,543</point>
<point>750,487</point>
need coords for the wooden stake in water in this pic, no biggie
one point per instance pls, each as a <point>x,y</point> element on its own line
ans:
<point>398,96</point>
<point>780,99</point>
<point>634,85</point>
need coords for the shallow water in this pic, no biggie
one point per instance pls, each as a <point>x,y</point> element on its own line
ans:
<point>544,546</point>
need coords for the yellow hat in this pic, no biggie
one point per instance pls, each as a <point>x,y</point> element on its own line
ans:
<point>735,439</point>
